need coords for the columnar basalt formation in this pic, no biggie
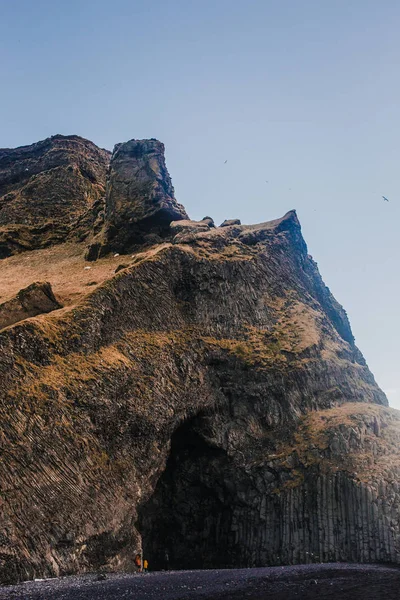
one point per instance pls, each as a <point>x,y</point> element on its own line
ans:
<point>327,491</point>
<point>206,404</point>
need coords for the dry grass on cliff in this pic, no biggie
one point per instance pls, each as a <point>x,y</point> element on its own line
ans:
<point>70,276</point>
<point>255,352</point>
<point>71,374</point>
<point>362,439</point>
<point>63,266</point>
<point>295,331</point>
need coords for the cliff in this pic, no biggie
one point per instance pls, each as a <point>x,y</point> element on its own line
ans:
<point>49,192</point>
<point>206,402</point>
<point>139,203</point>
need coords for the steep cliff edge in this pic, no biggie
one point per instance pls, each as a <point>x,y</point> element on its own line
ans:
<point>206,403</point>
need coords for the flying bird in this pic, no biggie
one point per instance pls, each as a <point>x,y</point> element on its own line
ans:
<point>385,199</point>
<point>225,162</point>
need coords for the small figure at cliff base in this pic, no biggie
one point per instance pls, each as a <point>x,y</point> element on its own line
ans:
<point>138,562</point>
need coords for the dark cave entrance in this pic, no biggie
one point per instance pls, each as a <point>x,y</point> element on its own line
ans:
<point>186,524</point>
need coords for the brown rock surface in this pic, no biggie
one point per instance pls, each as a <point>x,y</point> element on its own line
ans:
<point>36,299</point>
<point>140,197</point>
<point>206,403</point>
<point>49,191</point>
<point>185,230</point>
<point>229,222</point>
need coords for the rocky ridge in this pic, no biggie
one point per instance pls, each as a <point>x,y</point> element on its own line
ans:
<point>50,191</point>
<point>206,403</point>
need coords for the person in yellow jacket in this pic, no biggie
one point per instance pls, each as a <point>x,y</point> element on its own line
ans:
<point>145,566</point>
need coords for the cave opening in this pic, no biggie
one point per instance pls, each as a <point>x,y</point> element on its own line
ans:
<point>186,524</point>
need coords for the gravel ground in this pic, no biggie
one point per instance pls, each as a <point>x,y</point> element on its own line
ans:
<point>336,581</point>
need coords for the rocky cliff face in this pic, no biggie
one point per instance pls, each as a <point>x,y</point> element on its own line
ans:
<point>140,202</point>
<point>49,191</point>
<point>206,403</point>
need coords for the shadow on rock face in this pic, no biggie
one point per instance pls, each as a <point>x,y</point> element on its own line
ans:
<point>186,524</point>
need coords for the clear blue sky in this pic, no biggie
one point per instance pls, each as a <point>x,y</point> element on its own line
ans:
<point>302,93</point>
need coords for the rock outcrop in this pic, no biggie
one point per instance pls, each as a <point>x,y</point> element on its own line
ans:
<point>36,299</point>
<point>206,403</point>
<point>140,202</point>
<point>50,191</point>
<point>325,491</point>
<point>186,230</point>
<point>229,222</point>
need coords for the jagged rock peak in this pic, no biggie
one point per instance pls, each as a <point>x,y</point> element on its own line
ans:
<point>140,196</point>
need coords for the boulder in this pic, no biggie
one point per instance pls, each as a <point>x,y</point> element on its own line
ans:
<point>186,230</point>
<point>229,222</point>
<point>209,221</point>
<point>33,300</point>
<point>121,267</point>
